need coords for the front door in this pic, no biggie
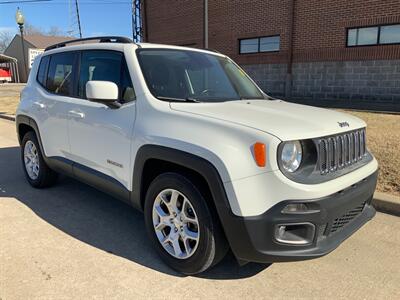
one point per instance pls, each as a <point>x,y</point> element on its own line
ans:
<point>100,136</point>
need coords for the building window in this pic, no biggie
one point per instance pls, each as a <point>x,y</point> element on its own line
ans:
<point>390,34</point>
<point>260,44</point>
<point>376,35</point>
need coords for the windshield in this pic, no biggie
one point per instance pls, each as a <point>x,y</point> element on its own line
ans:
<point>194,76</point>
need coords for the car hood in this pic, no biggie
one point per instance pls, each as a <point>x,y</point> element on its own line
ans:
<point>287,121</point>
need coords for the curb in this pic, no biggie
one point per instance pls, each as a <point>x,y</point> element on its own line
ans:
<point>7,117</point>
<point>382,202</point>
<point>387,203</point>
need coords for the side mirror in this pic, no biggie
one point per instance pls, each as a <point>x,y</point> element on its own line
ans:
<point>105,92</point>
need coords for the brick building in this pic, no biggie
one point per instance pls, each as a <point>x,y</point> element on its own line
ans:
<point>329,53</point>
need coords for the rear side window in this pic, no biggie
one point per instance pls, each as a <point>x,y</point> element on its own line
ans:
<point>41,75</point>
<point>105,65</point>
<point>60,74</point>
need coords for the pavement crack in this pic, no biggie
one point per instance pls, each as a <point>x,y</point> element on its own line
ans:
<point>46,275</point>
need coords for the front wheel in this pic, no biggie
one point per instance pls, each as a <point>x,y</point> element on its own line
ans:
<point>179,223</point>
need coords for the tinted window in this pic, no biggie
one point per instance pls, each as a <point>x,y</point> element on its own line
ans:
<point>249,46</point>
<point>186,74</point>
<point>270,43</point>
<point>367,36</point>
<point>60,74</point>
<point>105,66</point>
<point>352,37</point>
<point>260,44</point>
<point>390,34</point>
<point>41,75</point>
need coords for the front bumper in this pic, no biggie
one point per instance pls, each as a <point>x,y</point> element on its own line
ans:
<point>335,217</point>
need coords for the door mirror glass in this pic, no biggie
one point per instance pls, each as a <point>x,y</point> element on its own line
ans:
<point>105,92</point>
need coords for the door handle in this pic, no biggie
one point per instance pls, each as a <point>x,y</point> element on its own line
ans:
<point>39,105</point>
<point>76,114</point>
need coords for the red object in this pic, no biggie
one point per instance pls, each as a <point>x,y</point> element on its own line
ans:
<point>5,72</point>
<point>5,75</point>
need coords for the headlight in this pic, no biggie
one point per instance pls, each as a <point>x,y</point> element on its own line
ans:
<point>291,156</point>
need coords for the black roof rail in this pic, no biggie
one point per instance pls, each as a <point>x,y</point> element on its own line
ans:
<point>101,39</point>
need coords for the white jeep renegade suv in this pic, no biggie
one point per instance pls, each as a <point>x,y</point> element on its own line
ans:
<point>188,138</point>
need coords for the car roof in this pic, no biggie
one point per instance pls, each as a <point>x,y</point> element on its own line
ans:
<point>121,47</point>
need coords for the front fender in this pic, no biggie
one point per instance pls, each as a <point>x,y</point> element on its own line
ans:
<point>185,159</point>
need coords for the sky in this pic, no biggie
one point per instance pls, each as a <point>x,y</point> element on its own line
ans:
<point>98,17</point>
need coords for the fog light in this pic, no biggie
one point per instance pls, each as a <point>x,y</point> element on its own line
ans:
<point>294,208</point>
<point>296,234</point>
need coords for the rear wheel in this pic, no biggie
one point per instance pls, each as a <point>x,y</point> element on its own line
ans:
<point>38,174</point>
<point>187,236</point>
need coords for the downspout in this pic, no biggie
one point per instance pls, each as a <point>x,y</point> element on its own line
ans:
<point>205,24</point>
<point>288,83</point>
<point>145,23</point>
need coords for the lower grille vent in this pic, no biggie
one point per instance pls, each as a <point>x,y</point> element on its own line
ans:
<point>339,223</point>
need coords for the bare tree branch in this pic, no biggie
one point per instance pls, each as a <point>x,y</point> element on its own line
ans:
<point>5,39</point>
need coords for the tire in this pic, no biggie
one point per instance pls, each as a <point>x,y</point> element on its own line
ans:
<point>211,245</point>
<point>43,176</point>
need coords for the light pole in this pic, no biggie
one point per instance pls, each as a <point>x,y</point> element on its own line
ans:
<point>19,18</point>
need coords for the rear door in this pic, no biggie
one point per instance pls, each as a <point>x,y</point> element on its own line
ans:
<point>56,77</point>
<point>100,136</point>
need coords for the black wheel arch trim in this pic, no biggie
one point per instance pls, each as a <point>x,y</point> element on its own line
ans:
<point>23,119</point>
<point>178,157</point>
<point>203,167</point>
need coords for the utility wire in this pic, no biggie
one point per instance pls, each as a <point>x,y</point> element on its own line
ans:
<point>21,2</point>
<point>107,2</point>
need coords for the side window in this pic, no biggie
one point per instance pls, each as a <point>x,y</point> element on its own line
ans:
<point>41,75</point>
<point>105,66</point>
<point>126,88</point>
<point>60,74</point>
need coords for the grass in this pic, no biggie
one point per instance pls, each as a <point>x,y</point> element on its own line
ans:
<point>8,105</point>
<point>9,98</point>
<point>383,138</point>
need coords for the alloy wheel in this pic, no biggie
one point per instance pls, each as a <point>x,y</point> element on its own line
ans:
<point>176,224</point>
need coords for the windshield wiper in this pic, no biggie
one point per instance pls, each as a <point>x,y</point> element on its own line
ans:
<point>172,99</point>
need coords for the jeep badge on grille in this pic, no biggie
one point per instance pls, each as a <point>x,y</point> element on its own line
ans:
<point>343,124</point>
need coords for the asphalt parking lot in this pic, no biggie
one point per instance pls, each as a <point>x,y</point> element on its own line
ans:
<point>71,241</point>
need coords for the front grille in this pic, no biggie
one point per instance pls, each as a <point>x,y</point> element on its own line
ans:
<point>339,223</point>
<point>340,151</point>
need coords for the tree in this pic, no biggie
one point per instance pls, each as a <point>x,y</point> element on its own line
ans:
<point>55,31</point>
<point>5,39</point>
<point>33,30</point>
<point>7,36</point>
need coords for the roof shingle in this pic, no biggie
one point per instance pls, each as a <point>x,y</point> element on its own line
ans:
<point>43,41</point>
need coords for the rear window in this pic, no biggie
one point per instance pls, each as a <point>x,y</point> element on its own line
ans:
<point>61,73</point>
<point>41,76</point>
